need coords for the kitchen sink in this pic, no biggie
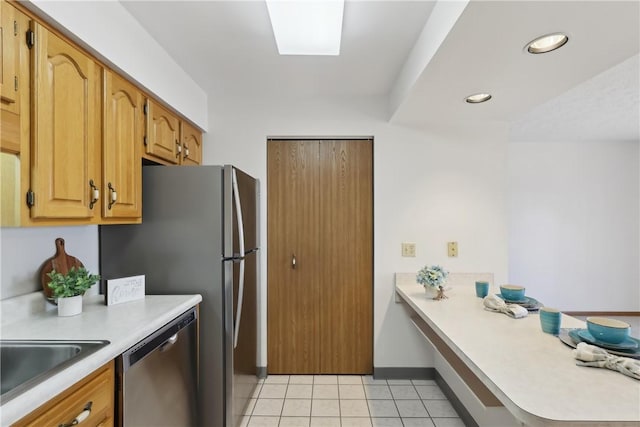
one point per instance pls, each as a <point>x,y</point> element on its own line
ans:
<point>26,363</point>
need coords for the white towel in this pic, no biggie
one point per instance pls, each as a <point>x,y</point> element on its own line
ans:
<point>497,304</point>
<point>596,357</point>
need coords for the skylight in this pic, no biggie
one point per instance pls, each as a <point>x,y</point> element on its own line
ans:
<point>307,27</point>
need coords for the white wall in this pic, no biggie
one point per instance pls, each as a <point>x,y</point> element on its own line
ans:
<point>108,29</point>
<point>574,214</point>
<point>429,188</point>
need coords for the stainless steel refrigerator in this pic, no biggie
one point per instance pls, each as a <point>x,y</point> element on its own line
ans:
<point>199,234</point>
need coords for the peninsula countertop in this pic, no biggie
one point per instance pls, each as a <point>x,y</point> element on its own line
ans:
<point>123,325</point>
<point>533,374</point>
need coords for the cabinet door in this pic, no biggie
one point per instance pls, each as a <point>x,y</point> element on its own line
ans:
<point>163,139</point>
<point>122,168</point>
<point>65,177</point>
<point>191,145</point>
<point>10,58</point>
<point>95,391</point>
<point>13,23</point>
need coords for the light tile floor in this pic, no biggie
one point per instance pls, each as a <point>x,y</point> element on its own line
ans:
<point>348,400</point>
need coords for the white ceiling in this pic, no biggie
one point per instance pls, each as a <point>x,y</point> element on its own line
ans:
<point>228,48</point>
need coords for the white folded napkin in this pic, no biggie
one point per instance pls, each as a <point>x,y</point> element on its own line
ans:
<point>596,357</point>
<point>497,304</point>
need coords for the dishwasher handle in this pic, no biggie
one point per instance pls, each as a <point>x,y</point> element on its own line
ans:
<point>169,343</point>
<point>160,340</point>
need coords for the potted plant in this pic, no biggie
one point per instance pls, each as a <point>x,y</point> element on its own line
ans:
<point>68,289</point>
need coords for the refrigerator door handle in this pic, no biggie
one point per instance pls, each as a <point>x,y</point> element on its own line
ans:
<point>236,329</point>
<point>236,196</point>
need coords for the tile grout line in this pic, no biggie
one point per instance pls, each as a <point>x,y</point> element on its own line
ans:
<point>340,417</point>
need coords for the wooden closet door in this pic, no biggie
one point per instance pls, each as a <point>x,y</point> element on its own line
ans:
<point>346,251</point>
<point>293,227</point>
<point>320,208</point>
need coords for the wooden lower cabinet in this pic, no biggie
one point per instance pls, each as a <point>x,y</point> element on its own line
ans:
<point>97,390</point>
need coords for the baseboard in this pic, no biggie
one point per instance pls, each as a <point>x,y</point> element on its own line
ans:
<point>261,371</point>
<point>465,416</point>
<point>384,373</point>
<point>603,313</point>
<point>404,373</point>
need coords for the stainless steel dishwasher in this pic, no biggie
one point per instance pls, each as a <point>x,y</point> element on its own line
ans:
<point>157,377</point>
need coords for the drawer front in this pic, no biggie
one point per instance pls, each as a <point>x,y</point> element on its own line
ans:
<point>98,389</point>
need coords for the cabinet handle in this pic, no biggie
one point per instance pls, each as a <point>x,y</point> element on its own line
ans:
<point>293,261</point>
<point>113,195</point>
<point>95,194</point>
<point>186,151</point>
<point>178,149</point>
<point>80,417</point>
<point>7,100</point>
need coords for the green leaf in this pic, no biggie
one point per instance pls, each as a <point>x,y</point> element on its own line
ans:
<point>75,282</point>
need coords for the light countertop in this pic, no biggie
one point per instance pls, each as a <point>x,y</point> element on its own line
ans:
<point>123,325</point>
<point>532,373</point>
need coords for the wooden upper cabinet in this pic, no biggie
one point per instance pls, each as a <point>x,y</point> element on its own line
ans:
<point>9,33</point>
<point>66,125</point>
<point>123,136</point>
<point>163,134</point>
<point>14,57</point>
<point>191,145</point>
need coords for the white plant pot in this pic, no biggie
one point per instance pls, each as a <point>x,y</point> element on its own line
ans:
<point>70,306</point>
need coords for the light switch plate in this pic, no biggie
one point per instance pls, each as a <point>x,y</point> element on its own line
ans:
<point>408,249</point>
<point>125,289</point>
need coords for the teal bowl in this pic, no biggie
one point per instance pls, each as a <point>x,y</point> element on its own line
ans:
<point>608,330</point>
<point>512,292</point>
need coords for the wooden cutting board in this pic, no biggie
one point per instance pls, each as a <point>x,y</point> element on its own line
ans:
<point>61,262</point>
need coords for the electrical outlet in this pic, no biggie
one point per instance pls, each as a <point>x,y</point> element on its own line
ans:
<point>452,249</point>
<point>408,249</point>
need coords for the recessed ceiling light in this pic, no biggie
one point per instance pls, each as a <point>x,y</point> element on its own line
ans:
<point>477,98</point>
<point>311,27</point>
<point>547,43</point>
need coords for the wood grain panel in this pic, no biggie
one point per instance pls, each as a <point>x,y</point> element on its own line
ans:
<point>10,54</point>
<point>346,251</point>
<point>162,133</point>
<point>66,125</point>
<point>122,167</point>
<point>293,228</point>
<point>97,388</point>
<point>191,144</point>
<point>9,132</point>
